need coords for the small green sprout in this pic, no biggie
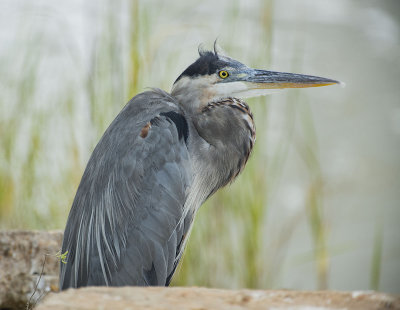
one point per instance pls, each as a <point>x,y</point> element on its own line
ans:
<point>62,256</point>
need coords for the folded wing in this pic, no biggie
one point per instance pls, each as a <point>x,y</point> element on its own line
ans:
<point>128,219</point>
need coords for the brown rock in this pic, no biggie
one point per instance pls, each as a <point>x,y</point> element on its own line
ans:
<point>194,298</point>
<point>21,259</point>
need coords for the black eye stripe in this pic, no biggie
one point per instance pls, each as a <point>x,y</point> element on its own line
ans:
<point>208,63</point>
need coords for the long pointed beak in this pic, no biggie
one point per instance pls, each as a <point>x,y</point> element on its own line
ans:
<point>263,79</point>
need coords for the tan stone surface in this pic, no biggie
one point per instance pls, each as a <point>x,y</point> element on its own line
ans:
<point>21,259</point>
<point>160,298</point>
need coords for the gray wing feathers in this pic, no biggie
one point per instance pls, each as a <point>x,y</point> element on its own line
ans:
<point>126,224</point>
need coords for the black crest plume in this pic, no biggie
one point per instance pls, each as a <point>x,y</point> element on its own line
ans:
<point>208,63</point>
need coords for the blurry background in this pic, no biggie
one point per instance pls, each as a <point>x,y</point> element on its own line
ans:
<point>317,206</point>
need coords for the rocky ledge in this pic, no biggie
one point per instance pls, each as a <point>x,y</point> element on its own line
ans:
<point>194,298</point>
<point>22,254</point>
<point>23,278</point>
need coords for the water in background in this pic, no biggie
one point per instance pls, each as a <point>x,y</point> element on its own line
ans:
<point>317,205</point>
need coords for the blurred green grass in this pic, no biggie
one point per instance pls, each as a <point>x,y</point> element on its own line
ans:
<point>228,245</point>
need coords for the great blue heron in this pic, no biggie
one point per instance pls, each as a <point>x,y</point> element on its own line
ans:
<point>158,161</point>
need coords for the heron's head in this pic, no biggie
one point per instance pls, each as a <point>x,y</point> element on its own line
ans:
<point>213,76</point>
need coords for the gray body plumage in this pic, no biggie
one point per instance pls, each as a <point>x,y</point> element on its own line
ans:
<point>158,161</point>
<point>138,196</point>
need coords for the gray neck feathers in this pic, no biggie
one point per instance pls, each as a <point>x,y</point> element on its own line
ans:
<point>225,138</point>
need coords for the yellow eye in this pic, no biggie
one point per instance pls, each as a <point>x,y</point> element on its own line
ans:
<point>223,74</point>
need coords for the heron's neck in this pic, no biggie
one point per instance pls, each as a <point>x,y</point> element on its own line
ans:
<point>193,93</point>
<point>226,135</point>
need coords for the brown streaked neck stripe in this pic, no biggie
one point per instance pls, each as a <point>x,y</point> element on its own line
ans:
<point>243,107</point>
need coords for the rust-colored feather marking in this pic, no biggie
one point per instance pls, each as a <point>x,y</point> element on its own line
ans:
<point>145,130</point>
